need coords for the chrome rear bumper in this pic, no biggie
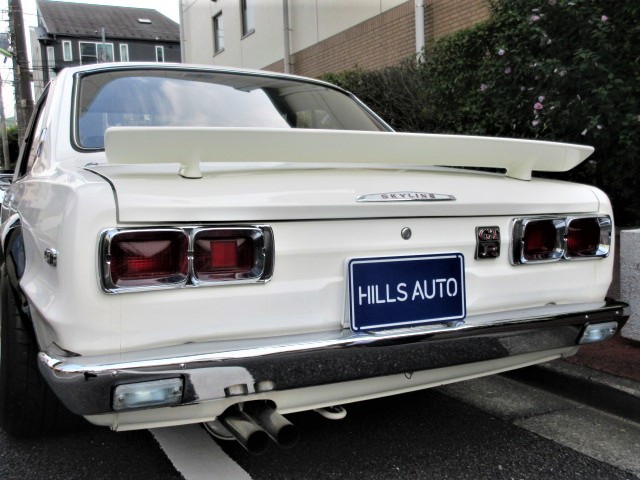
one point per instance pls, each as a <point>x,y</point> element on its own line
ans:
<point>218,370</point>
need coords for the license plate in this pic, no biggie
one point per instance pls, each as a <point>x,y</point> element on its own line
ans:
<point>393,292</point>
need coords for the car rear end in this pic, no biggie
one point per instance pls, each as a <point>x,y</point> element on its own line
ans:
<point>227,282</point>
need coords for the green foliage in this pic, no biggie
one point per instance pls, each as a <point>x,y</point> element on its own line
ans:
<point>547,69</point>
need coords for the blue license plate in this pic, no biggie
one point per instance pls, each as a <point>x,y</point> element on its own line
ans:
<point>393,292</point>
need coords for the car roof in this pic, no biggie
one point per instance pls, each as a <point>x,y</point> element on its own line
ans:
<point>102,67</point>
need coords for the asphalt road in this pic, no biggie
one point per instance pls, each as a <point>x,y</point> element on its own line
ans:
<point>491,428</point>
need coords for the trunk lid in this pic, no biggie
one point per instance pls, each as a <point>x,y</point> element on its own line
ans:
<point>236,174</point>
<point>268,193</point>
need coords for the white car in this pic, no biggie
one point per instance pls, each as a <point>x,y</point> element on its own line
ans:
<point>186,244</point>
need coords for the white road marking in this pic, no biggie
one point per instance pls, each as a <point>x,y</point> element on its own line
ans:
<point>599,435</point>
<point>196,455</point>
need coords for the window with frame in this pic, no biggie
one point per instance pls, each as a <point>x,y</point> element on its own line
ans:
<point>34,137</point>
<point>173,97</point>
<point>67,51</point>
<point>91,52</point>
<point>159,53</point>
<point>248,17</point>
<point>51,61</point>
<point>218,33</point>
<point>124,52</point>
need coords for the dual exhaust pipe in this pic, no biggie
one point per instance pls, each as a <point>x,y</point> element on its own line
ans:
<point>256,424</point>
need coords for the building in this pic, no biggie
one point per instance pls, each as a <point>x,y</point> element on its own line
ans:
<point>70,34</point>
<point>322,35</point>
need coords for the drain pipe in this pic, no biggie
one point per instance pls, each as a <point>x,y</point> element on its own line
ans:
<point>285,23</point>
<point>183,56</point>
<point>419,29</point>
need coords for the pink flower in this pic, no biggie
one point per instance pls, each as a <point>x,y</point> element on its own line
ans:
<point>501,52</point>
<point>535,18</point>
<point>541,98</point>
<point>507,70</point>
<point>483,87</point>
<point>535,123</point>
<point>604,18</point>
<point>538,106</point>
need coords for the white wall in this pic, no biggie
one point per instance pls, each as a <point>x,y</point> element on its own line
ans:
<point>198,31</point>
<point>311,21</point>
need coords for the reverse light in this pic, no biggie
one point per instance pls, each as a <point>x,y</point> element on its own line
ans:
<point>550,239</point>
<point>158,393</point>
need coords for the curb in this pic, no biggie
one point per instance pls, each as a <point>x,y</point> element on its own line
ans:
<point>597,389</point>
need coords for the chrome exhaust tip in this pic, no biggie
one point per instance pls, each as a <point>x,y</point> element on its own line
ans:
<point>253,438</point>
<point>279,429</point>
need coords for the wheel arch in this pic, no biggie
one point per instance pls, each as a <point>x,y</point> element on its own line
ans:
<point>14,262</point>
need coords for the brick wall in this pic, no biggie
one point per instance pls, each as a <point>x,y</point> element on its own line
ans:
<point>447,16</point>
<point>385,39</point>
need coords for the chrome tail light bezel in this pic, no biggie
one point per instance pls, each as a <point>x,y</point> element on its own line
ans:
<point>606,230</point>
<point>261,271</point>
<point>560,252</point>
<point>518,240</point>
<point>262,249</point>
<point>109,284</point>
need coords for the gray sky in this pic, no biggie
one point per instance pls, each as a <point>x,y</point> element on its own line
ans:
<point>170,8</point>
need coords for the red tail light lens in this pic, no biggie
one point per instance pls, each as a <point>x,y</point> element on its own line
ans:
<point>541,240</point>
<point>588,237</point>
<point>147,258</point>
<point>583,236</point>
<point>228,254</point>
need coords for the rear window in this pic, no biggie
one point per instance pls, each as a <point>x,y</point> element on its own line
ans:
<point>209,99</point>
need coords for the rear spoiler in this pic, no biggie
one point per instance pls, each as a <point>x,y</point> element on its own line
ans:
<point>189,146</point>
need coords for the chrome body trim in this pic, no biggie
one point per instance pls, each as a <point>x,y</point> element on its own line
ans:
<point>405,197</point>
<point>210,370</point>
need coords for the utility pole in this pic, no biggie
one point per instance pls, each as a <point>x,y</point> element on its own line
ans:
<point>3,130</point>
<point>24,97</point>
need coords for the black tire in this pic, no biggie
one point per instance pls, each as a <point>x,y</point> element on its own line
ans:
<point>28,406</point>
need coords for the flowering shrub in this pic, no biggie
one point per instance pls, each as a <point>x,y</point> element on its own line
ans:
<point>548,69</point>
